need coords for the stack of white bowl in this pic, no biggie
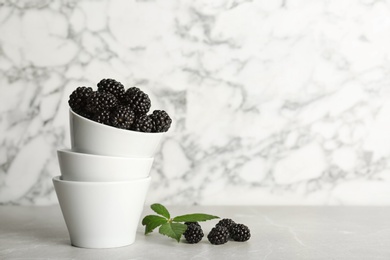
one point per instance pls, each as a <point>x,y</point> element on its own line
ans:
<point>104,181</point>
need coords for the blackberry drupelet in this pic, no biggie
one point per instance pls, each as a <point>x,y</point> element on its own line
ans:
<point>122,117</point>
<point>78,99</point>
<point>142,124</point>
<point>194,233</point>
<point>100,101</point>
<point>240,232</point>
<point>113,87</point>
<point>161,121</point>
<point>138,101</point>
<point>102,117</point>
<point>218,235</point>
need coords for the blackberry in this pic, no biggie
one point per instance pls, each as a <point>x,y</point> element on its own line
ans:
<point>122,117</point>
<point>161,121</point>
<point>226,222</point>
<point>100,101</point>
<point>192,223</point>
<point>218,235</point>
<point>113,87</point>
<point>142,124</point>
<point>194,233</point>
<point>138,101</point>
<point>240,232</point>
<point>85,114</point>
<point>102,117</point>
<point>78,99</point>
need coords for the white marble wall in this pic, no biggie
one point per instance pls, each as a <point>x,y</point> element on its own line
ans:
<point>273,102</point>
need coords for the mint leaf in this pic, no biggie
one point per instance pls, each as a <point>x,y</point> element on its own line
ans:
<point>173,230</point>
<point>160,209</point>
<point>151,222</point>
<point>193,217</point>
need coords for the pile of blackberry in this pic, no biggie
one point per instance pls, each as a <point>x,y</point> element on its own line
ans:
<point>115,106</point>
<point>224,230</point>
<point>228,229</point>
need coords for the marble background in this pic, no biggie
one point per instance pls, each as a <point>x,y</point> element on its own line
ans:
<point>273,102</point>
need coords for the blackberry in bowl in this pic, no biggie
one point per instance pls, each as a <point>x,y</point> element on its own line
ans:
<point>88,136</point>
<point>114,121</point>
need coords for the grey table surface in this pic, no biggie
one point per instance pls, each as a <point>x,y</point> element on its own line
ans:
<point>277,233</point>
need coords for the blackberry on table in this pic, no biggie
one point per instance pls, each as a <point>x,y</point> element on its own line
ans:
<point>138,101</point>
<point>218,235</point>
<point>122,117</point>
<point>240,232</point>
<point>113,87</point>
<point>142,124</point>
<point>100,101</point>
<point>192,223</point>
<point>102,117</point>
<point>78,99</point>
<point>194,233</point>
<point>226,222</point>
<point>161,121</point>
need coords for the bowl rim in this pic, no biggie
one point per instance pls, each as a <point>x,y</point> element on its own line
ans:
<point>102,183</point>
<point>97,156</point>
<point>111,127</point>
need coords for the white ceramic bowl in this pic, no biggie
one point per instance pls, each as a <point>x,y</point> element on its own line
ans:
<point>101,214</point>
<point>91,137</point>
<point>98,168</point>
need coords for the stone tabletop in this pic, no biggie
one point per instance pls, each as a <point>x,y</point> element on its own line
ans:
<point>277,233</point>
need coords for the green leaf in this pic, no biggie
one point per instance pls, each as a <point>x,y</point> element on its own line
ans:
<point>194,217</point>
<point>173,230</point>
<point>161,210</point>
<point>151,222</point>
